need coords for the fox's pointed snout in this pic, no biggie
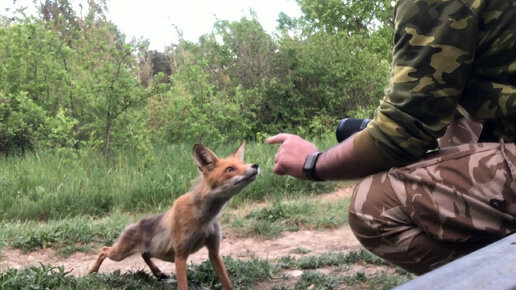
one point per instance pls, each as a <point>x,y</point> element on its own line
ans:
<point>254,170</point>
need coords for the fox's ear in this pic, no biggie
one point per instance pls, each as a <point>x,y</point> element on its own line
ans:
<point>204,157</point>
<point>239,152</point>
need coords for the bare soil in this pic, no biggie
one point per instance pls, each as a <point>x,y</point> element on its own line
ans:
<point>315,241</point>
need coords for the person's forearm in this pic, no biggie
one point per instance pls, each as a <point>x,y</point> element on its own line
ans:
<point>339,162</point>
<point>355,157</point>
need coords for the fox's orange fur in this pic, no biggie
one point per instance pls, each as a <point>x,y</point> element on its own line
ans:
<point>191,223</point>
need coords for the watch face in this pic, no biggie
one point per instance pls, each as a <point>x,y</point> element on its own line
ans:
<point>309,166</point>
<point>309,162</point>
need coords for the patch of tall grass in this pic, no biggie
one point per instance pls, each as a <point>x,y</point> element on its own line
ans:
<point>53,185</point>
<point>291,215</point>
<point>65,235</point>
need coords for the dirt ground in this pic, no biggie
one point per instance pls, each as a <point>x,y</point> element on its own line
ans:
<point>317,242</point>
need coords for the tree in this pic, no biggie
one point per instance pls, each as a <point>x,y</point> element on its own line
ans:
<point>248,50</point>
<point>321,79</point>
<point>369,24</point>
<point>75,70</point>
<point>348,16</point>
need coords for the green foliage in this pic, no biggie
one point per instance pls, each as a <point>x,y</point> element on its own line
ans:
<point>21,121</point>
<point>243,275</point>
<point>24,125</point>
<point>70,81</point>
<point>193,111</point>
<point>53,185</point>
<point>330,259</point>
<point>323,79</point>
<point>294,215</point>
<point>386,281</point>
<point>50,277</point>
<point>358,280</point>
<point>334,16</point>
<point>315,280</point>
<point>64,235</point>
<point>79,74</point>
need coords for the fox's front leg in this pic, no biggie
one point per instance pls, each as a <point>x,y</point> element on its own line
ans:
<point>182,283</point>
<point>218,264</point>
<point>220,270</point>
<point>154,269</point>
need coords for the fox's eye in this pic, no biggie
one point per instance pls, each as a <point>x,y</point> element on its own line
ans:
<point>229,169</point>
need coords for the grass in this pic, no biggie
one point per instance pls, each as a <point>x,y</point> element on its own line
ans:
<point>299,250</point>
<point>82,233</point>
<point>66,235</point>
<point>292,215</point>
<point>318,280</point>
<point>243,274</point>
<point>340,263</point>
<point>55,185</point>
<point>357,280</point>
<point>74,201</point>
<point>50,277</point>
<point>330,259</point>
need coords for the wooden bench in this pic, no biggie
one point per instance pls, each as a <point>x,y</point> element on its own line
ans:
<point>492,267</point>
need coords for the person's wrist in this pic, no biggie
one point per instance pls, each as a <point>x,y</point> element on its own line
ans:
<point>309,166</point>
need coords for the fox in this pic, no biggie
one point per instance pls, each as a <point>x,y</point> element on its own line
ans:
<point>191,223</point>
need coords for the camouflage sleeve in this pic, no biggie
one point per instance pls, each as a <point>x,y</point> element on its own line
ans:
<point>434,45</point>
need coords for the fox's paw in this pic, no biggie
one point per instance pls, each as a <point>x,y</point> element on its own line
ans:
<point>161,276</point>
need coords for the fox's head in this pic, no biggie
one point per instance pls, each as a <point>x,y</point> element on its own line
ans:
<point>225,177</point>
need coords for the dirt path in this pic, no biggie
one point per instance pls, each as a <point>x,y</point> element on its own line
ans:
<point>316,242</point>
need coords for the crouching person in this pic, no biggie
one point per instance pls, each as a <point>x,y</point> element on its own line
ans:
<point>421,205</point>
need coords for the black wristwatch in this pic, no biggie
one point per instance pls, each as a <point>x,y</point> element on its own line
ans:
<point>309,166</point>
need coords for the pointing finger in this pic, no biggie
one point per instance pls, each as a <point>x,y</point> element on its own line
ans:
<point>278,139</point>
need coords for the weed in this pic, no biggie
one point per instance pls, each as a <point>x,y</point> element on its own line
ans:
<point>315,280</point>
<point>299,250</point>
<point>386,281</point>
<point>330,259</point>
<point>355,279</point>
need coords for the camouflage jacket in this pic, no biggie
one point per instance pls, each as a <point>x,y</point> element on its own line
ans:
<point>448,56</point>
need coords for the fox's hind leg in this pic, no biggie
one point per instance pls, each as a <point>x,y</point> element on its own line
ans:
<point>102,256</point>
<point>126,245</point>
<point>155,270</point>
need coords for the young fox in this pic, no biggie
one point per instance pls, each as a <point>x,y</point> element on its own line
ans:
<point>191,223</point>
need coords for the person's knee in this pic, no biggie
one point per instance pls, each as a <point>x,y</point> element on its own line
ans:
<point>375,213</point>
<point>365,229</point>
<point>362,220</point>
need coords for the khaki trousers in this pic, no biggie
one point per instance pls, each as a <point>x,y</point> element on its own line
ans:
<point>452,202</point>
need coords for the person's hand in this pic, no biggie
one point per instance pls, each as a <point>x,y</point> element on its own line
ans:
<point>291,154</point>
